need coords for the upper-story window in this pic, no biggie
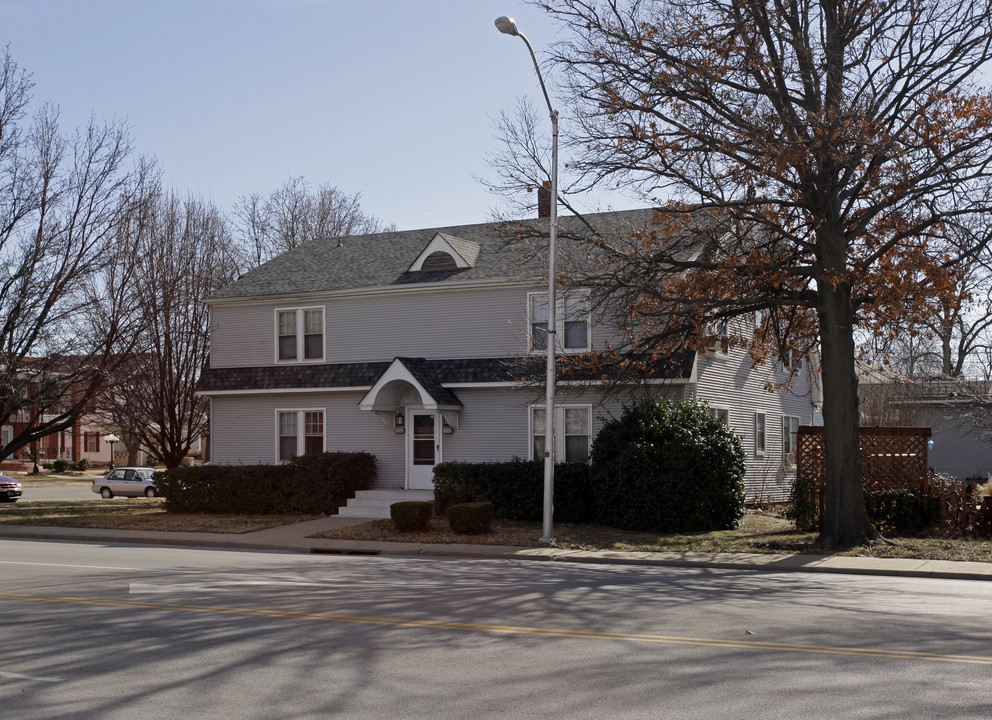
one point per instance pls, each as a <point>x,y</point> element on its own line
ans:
<point>571,325</point>
<point>300,334</point>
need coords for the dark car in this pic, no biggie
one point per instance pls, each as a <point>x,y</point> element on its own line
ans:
<point>10,489</point>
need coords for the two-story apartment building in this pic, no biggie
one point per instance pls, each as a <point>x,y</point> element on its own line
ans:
<point>415,346</point>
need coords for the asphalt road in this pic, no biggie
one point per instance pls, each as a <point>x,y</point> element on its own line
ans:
<point>66,492</point>
<point>107,631</point>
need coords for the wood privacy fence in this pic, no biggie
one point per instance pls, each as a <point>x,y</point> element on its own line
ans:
<point>891,458</point>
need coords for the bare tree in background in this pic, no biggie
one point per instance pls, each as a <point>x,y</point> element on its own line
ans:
<point>294,214</point>
<point>62,198</point>
<point>183,255</point>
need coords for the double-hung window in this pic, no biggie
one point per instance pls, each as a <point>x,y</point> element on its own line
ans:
<point>300,334</point>
<point>573,438</point>
<point>790,431</point>
<point>299,432</point>
<point>91,442</point>
<point>759,433</point>
<point>722,414</point>
<point>571,323</point>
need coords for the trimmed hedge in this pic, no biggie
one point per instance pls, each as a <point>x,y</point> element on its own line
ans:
<point>515,488</point>
<point>317,484</point>
<point>411,515</point>
<point>668,467</point>
<point>471,518</point>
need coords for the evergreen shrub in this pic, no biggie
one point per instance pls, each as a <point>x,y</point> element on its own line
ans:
<point>60,465</point>
<point>515,488</point>
<point>668,467</point>
<point>471,518</point>
<point>317,484</point>
<point>411,515</point>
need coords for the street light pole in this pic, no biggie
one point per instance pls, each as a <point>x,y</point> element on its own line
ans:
<point>507,26</point>
<point>112,440</point>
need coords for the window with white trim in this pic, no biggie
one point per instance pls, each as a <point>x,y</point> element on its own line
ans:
<point>299,432</point>
<point>722,414</point>
<point>790,431</point>
<point>759,433</point>
<point>300,334</point>
<point>6,435</point>
<point>573,438</point>
<point>571,324</point>
<point>791,360</point>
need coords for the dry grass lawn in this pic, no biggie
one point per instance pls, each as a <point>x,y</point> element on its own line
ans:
<point>759,532</point>
<point>135,515</point>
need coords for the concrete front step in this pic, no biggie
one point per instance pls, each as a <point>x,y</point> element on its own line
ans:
<point>374,504</point>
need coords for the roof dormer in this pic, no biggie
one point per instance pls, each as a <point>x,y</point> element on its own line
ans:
<point>446,252</point>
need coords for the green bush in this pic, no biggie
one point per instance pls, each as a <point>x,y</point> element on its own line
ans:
<point>900,511</point>
<point>307,485</point>
<point>411,515</point>
<point>804,509</point>
<point>515,488</point>
<point>60,465</point>
<point>82,464</point>
<point>668,467</point>
<point>471,518</point>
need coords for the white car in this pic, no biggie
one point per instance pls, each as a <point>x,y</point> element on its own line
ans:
<point>127,482</point>
<point>10,489</point>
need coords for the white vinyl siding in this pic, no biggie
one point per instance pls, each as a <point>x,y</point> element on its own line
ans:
<point>731,381</point>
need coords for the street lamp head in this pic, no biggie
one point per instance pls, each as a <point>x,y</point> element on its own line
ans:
<point>506,25</point>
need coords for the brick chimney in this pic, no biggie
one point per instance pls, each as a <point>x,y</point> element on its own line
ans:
<point>544,200</point>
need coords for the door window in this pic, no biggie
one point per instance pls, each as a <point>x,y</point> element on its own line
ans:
<point>423,439</point>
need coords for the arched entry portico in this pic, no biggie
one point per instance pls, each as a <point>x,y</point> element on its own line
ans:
<point>415,407</point>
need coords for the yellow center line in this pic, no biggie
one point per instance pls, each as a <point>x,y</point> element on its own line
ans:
<point>510,629</point>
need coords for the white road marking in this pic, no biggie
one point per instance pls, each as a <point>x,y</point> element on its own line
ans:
<point>18,676</point>
<point>65,565</point>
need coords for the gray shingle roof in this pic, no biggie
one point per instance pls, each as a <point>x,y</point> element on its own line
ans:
<point>382,260</point>
<point>432,374</point>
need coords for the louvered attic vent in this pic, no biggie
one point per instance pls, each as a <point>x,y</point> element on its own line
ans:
<point>437,261</point>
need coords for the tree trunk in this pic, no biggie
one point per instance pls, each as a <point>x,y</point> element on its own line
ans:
<point>845,521</point>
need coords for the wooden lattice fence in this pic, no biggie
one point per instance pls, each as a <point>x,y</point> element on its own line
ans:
<point>891,458</point>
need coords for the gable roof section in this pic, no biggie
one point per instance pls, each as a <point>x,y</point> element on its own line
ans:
<point>492,252</point>
<point>410,371</point>
<point>464,253</point>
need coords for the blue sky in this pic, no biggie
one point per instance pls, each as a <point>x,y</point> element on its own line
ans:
<point>389,98</point>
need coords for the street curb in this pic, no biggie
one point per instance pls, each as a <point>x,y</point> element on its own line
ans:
<point>754,562</point>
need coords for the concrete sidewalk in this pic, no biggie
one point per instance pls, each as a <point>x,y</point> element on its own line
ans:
<point>294,538</point>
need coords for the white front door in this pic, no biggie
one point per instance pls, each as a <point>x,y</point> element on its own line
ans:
<point>423,449</point>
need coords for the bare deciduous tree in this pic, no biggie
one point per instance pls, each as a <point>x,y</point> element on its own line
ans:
<point>183,255</point>
<point>294,214</point>
<point>62,198</point>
